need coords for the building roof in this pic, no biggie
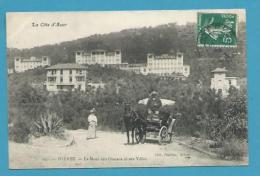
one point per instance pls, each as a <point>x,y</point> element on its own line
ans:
<point>219,70</point>
<point>67,66</point>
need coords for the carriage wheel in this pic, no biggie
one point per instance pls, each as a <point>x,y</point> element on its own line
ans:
<point>138,135</point>
<point>163,135</point>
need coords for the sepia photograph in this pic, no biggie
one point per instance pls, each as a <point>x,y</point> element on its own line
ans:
<point>103,89</point>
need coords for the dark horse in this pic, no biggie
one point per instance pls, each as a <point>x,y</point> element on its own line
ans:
<point>134,122</point>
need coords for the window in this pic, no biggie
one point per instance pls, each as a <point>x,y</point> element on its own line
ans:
<point>179,55</point>
<point>79,71</point>
<point>79,87</point>
<point>229,81</point>
<point>78,53</point>
<point>53,72</point>
<point>117,52</point>
<point>70,79</point>
<point>61,79</point>
<point>51,79</point>
<point>70,72</point>
<point>80,78</point>
<point>61,72</point>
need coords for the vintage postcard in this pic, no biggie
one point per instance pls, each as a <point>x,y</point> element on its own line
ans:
<point>101,89</point>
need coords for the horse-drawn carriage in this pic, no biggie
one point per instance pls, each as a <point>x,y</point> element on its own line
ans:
<point>153,126</point>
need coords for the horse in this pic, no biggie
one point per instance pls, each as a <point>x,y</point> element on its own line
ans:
<point>134,122</point>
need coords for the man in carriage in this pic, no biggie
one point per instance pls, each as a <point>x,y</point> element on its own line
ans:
<point>158,118</point>
<point>153,105</point>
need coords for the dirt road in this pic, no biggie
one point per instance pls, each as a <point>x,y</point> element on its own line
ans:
<point>108,150</point>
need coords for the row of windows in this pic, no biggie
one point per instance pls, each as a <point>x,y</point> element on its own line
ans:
<point>166,66</point>
<point>27,65</point>
<point>78,78</point>
<point>100,62</point>
<point>31,60</point>
<point>70,72</point>
<point>98,53</point>
<point>166,62</point>
<point>166,70</point>
<point>70,79</point>
<point>52,72</point>
<point>178,55</point>
<point>162,64</point>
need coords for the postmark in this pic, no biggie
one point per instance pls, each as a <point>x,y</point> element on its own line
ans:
<point>217,30</point>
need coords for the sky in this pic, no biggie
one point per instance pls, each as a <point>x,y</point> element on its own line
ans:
<point>32,29</point>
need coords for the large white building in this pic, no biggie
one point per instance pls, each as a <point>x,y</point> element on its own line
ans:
<point>166,65</point>
<point>22,64</point>
<point>221,83</point>
<point>101,57</point>
<point>162,65</point>
<point>64,77</point>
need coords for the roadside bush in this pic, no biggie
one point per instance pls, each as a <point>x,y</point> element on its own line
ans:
<point>48,124</point>
<point>233,149</point>
<point>206,114</point>
<point>235,116</point>
<point>19,132</point>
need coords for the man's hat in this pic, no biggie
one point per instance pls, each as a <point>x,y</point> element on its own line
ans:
<point>154,93</point>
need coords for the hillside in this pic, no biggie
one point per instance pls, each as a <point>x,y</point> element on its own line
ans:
<point>136,43</point>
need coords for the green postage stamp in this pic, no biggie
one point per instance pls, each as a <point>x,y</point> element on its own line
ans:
<point>217,30</point>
